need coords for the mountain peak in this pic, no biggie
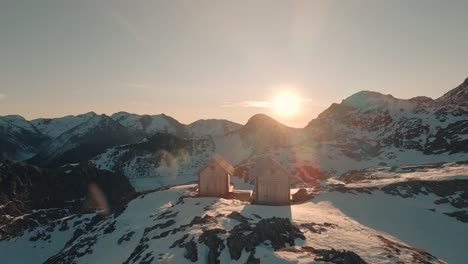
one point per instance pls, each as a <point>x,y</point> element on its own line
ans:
<point>368,100</point>
<point>368,95</point>
<point>458,95</point>
<point>13,118</point>
<point>260,118</point>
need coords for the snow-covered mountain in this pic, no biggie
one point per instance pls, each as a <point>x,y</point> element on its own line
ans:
<point>211,127</point>
<point>54,127</point>
<point>150,124</point>
<point>56,141</point>
<point>369,128</point>
<point>366,129</point>
<point>263,133</point>
<point>85,141</point>
<point>408,214</point>
<point>18,138</point>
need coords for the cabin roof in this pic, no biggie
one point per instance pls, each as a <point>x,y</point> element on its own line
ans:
<point>217,159</point>
<point>266,161</point>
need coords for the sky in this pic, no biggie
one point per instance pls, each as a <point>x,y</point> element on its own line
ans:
<point>223,59</point>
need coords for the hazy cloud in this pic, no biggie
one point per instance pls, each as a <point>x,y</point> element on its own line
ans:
<point>2,96</point>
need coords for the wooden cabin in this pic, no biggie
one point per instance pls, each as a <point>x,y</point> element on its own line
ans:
<point>271,182</point>
<point>214,177</point>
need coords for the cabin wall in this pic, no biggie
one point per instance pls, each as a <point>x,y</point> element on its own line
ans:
<point>272,187</point>
<point>213,181</point>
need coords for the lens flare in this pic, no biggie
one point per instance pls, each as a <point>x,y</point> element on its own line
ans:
<point>286,103</point>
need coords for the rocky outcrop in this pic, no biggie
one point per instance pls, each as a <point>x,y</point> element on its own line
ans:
<point>279,231</point>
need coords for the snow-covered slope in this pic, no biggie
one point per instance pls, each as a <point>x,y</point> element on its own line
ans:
<point>417,215</point>
<point>54,127</point>
<point>85,141</point>
<point>152,124</point>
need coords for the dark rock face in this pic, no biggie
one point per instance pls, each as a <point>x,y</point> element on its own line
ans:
<point>191,251</point>
<point>452,138</point>
<point>126,237</point>
<point>214,243</point>
<point>74,189</point>
<point>280,231</point>
<point>252,259</point>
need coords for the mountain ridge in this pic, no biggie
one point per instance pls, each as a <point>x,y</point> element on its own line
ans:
<point>366,126</point>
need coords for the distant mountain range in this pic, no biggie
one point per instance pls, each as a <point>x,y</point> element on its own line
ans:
<point>119,189</point>
<point>366,129</point>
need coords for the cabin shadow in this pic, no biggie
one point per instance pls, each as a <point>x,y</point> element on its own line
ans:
<point>260,211</point>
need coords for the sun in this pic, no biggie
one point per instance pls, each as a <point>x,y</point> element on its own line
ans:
<point>286,103</point>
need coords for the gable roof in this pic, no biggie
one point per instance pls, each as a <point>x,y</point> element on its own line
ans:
<point>266,161</point>
<point>217,159</point>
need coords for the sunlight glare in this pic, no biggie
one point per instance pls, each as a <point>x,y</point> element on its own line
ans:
<point>286,103</point>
